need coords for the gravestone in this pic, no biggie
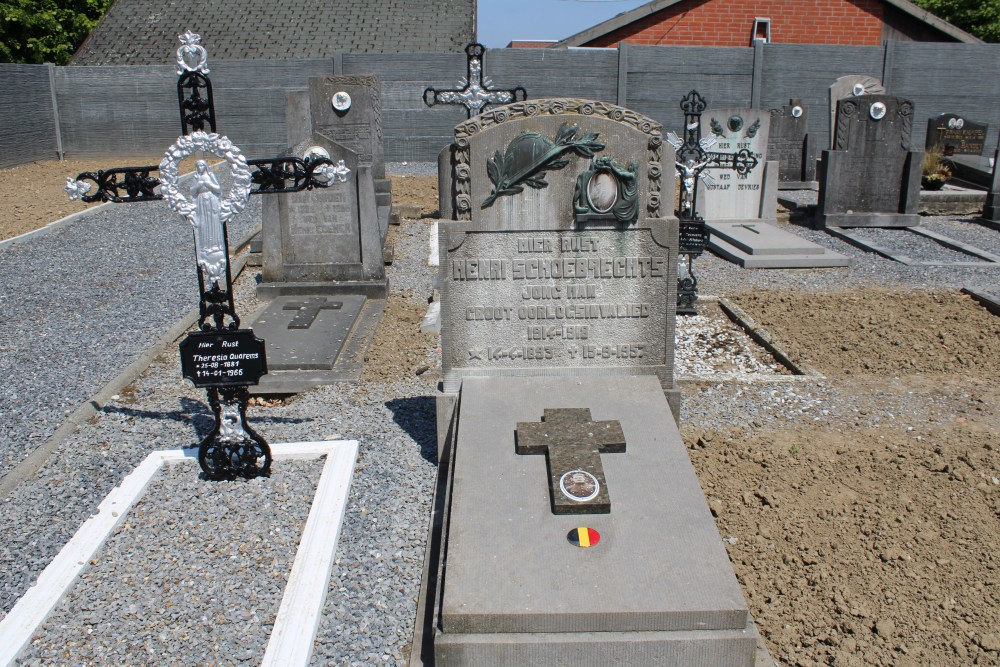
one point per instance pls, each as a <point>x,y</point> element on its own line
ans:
<point>871,178</point>
<point>790,144</point>
<point>326,247</point>
<point>346,109</point>
<point>557,418</point>
<point>951,134</point>
<point>729,196</point>
<point>851,85</point>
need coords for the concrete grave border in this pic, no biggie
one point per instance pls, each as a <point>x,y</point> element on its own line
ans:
<point>989,259</point>
<point>298,616</point>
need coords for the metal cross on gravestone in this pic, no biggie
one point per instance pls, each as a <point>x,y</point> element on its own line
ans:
<point>573,445</point>
<point>475,93</point>
<point>221,357</point>
<point>693,162</point>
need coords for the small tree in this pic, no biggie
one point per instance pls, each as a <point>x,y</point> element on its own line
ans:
<point>39,31</point>
<point>976,17</point>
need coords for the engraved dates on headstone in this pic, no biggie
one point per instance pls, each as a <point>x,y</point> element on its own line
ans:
<point>223,358</point>
<point>573,445</point>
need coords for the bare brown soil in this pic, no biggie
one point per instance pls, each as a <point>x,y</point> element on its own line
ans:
<point>33,194</point>
<point>416,190</point>
<point>856,544</point>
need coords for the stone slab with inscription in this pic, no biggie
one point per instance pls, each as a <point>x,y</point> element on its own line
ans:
<point>731,196</point>
<point>315,339</point>
<point>327,240</point>
<point>792,147</point>
<point>766,246</point>
<point>872,177</point>
<point>657,589</point>
<point>558,279</point>
<point>952,134</point>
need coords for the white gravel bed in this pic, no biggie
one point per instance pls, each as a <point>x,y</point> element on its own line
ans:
<point>710,344</point>
<point>967,231</point>
<point>194,576</point>
<point>82,302</point>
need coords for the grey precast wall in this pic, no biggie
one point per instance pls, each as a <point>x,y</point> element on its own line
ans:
<point>89,111</point>
<point>27,114</point>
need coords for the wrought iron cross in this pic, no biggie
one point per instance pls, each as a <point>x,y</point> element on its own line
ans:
<point>693,162</point>
<point>475,93</point>
<point>220,356</point>
<point>573,445</point>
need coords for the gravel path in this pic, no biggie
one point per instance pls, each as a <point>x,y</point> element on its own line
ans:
<point>193,577</point>
<point>82,302</point>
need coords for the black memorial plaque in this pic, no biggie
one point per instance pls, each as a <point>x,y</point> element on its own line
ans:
<point>223,358</point>
<point>693,238</point>
<point>954,135</point>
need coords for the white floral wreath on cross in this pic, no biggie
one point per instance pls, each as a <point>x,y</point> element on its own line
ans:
<point>220,146</point>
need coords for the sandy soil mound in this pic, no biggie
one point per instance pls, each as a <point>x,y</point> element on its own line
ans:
<point>881,332</point>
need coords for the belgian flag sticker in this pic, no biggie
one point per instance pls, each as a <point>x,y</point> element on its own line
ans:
<point>583,537</point>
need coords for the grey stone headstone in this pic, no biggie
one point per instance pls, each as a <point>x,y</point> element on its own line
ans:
<point>753,196</point>
<point>850,85</point>
<point>527,290</point>
<point>952,134</point>
<point>871,178</point>
<point>991,210</point>
<point>358,127</point>
<point>790,144</point>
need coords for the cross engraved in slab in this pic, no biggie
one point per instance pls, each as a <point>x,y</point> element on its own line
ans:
<point>308,310</point>
<point>750,228</point>
<point>573,445</point>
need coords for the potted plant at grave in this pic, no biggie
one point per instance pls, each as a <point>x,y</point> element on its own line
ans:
<point>936,170</point>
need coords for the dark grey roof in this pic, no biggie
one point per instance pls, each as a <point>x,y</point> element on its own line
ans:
<point>625,18</point>
<point>144,32</point>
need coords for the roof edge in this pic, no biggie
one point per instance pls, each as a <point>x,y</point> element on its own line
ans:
<point>937,22</point>
<point>612,24</point>
<point>625,18</point>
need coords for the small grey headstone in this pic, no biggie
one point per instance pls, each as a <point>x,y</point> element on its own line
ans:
<point>851,85</point>
<point>789,143</point>
<point>952,134</point>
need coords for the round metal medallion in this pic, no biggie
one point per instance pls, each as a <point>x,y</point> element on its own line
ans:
<point>735,123</point>
<point>877,111</point>
<point>341,100</point>
<point>579,485</point>
<point>602,191</point>
<point>796,111</point>
<point>315,153</point>
<point>859,89</point>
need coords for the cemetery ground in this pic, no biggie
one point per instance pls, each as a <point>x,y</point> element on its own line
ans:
<point>860,509</point>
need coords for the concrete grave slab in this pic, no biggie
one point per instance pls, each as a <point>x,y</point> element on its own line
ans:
<point>765,246</point>
<point>313,340</point>
<point>659,576</point>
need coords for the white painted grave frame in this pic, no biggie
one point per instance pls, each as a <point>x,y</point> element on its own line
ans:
<point>298,616</point>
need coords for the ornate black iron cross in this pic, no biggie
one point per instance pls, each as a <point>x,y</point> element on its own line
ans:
<point>475,94</point>
<point>573,445</point>
<point>692,161</point>
<point>221,357</point>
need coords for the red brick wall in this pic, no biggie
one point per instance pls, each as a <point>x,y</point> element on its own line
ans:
<point>730,22</point>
